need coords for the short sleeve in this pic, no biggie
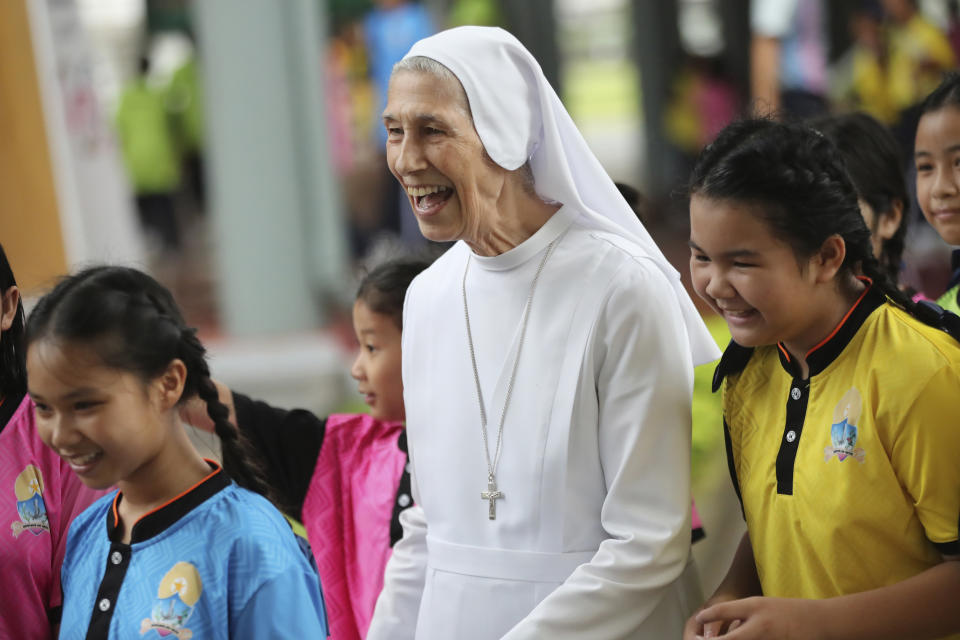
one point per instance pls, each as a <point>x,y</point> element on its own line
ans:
<point>289,443</point>
<point>289,601</point>
<point>926,457</point>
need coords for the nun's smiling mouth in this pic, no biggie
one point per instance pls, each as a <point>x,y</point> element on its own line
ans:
<point>429,199</point>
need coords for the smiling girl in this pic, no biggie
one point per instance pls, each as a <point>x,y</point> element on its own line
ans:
<point>180,548</point>
<point>834,404</point>
<point>937,157</point>
<point>345,476</point>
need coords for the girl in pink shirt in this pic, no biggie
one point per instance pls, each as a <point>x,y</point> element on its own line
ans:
<point>39,494</point>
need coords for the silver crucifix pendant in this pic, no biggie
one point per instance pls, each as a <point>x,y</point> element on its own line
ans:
<point>492,495</point>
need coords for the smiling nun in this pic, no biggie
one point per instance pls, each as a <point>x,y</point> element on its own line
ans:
<point>547,366</point>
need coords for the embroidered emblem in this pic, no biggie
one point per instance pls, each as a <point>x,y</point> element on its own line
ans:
<point>176,598</point>
<point>28,488</point>
<point>843,431</point>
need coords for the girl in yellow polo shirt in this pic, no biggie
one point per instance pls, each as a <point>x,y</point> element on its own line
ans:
<point>838,401</point>
<point>937,157</point>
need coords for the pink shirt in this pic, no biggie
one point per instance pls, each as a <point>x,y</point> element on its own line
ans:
<point>39,497</point>
<point>347,513</point>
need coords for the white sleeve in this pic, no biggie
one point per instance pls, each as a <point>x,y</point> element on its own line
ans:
<point>644,382</point>
<point>395,616</point>
<point>772,18</point>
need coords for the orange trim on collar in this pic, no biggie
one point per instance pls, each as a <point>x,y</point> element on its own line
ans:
<point>845,317</point>
<point>786,354</point>
<point>116,516</point>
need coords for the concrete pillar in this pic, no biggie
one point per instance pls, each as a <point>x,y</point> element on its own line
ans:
<point>277,224</point>
<point>657,42</point>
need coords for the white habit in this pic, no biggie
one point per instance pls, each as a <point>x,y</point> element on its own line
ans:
<point>592,536</point>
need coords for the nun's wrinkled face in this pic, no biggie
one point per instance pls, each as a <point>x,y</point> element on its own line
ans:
<point>434,151</point>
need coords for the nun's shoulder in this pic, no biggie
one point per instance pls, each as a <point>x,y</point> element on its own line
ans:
<point>443,271</point>
<point>630,254</point>
<point>614,261</point>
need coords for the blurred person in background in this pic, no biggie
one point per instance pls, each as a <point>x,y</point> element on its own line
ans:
<point>150,154</point>
<point>788,57</point>
<point>869,63</point>
<point>919,52</point>
<point>185,102</point>
<point>389,30</point>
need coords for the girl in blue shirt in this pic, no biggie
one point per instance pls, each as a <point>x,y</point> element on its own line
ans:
<point>183,547</point>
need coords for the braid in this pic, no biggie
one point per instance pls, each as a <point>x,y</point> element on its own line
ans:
<point>240,459</point>
<point>872,269</point>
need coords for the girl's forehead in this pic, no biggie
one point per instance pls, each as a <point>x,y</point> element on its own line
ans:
<point>718,214</point>
<point>366,319</point>
<point>728,226</point>
<point>57,363</point>
<point>940,127</point>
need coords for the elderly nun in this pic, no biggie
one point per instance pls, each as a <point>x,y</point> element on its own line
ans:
<point>547,366</point>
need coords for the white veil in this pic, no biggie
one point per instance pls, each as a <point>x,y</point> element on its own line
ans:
<point>519,117</point>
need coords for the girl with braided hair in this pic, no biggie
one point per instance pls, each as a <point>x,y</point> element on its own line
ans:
<point>190,548</point>
<point>836,393</point>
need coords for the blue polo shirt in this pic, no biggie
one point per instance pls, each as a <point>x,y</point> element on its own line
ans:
<point>216,562</point>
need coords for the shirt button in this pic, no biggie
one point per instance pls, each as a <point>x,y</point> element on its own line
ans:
<point>407,467</point>
<point>104,604</point>
<point>791,435</point>
<point>403,500</point>
<point>116,557</point>
<point>795,393</point>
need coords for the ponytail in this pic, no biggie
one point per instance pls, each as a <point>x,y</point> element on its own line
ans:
<point>133,324</point>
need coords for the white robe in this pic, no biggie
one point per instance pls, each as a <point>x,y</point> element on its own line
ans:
<point>592,537</point>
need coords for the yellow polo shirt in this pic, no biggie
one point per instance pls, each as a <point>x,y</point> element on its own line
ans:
<point>850,479</point>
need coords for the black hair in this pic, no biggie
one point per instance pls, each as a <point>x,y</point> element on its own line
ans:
<point>799,180</point>
<point>13,368</point>
<point>133,324</point>
<point>947,94</point>
<point>634,198</point>
<point>384,288</point>
<point>873,160</point>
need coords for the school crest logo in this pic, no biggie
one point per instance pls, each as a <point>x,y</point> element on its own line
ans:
<point>176,599</point>
<point>843,431</point>
<point>28,487</point>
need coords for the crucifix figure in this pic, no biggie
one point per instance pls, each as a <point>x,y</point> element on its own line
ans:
<point>492,495</point>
